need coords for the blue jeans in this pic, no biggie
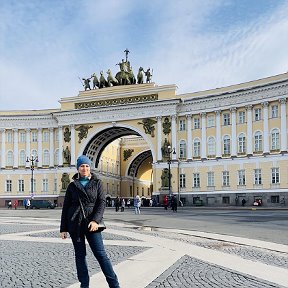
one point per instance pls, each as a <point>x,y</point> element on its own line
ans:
<point>96,244</point>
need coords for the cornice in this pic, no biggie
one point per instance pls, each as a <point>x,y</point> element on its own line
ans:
<point>118,113</point>
<point>226,100</point>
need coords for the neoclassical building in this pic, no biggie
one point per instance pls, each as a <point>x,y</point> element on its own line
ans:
<point>213,147</point>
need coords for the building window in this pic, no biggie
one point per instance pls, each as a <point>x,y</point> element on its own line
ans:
<point>10,158</point>
<point>55,185</point>
<point>182,149</point>
<point>257,114</point>
<point>242,143</point>
<point>275,143</point>
<point>275,176</point>
<point>8,185</point>
<point>275,199</point>
<point>22,159</point>
<point>226,145</point>
<point>34,136</point>
<point>211,146</point>
<point>226,119</point>
<point>196,180</point>
<point>46,158</point>
<point>44,185</point>
<point>225,178</point>
<point>210,179</point>
<point>241,177</point>
<point>22,137</point>
<point>182,180</point>
<point>211,121</point>
<point>242,117</point>
<point>182,125</point>
<point>274,111</point>
<point>196,123</point>
<point>257,176</point>
<point>258,141</point>
<point>45,136</point>
<point>21,185</point>
<point>225,200</point>
<point>196,148</point>
<point>9,137</point>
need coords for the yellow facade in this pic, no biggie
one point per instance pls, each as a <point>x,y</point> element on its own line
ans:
<point>226,144</point>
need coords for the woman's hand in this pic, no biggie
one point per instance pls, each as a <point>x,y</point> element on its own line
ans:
<point>63,235</point>
<point>93,226</point>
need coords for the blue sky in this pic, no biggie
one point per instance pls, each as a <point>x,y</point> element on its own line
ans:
<point>196,44</point>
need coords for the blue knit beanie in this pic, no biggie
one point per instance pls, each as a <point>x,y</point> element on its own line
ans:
<point>83,160</point>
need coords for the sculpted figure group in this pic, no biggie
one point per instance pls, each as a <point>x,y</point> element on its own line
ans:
<point>124,77</point>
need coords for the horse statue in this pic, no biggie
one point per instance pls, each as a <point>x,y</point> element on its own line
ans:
<point>131,75</point>
<point>103,82</point>
<point>123,78</point>
<point>111,80</point>
<point>140,76</point>
<point>96,83</point>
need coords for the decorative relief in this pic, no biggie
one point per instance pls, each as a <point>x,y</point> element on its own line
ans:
<point>148,125</point>
<point>127,153</point>
<point>166,126</point>
<point>83,132</point>
<point>117,101</point>
<point>67,135</point>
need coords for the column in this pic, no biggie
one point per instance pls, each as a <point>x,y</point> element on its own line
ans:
<point>3,148</point>
<point>266,149</point>
<point>249,130</point>
<point>203,138</point>
<point>174,137</point>
<point>51,147</point>
<point>72,129</point>
<point>234,132</point>
<point>189,137</point>
<point>218,134</point>
<point>283,125</point>
<point>159,138</point>
<point>39,148</point>
<point>15,148</point>
<point>60,137</point>
<point>28,135</point>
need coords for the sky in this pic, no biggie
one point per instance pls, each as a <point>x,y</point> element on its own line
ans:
<point>46,45</point>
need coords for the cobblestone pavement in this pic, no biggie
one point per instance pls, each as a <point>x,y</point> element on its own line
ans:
<point>189,272</point>
<point>33,255</point>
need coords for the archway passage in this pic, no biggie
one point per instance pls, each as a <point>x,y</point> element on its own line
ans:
<point>134,167</point>
<point>98,143</point>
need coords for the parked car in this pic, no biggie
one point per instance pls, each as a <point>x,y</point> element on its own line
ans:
<point>37,204</point>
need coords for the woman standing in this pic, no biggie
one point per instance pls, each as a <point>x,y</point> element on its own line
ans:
<point>88,189</point>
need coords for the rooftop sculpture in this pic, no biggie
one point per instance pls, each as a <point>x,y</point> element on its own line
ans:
<point>124,77</point>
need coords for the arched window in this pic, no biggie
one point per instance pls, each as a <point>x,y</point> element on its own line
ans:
<point>182,149</point>
<point>258,141</point>
<point>275,139</point>
<point>10,158</point>
<point>46,157</point>
<point>211,146</point>
<point>226,145</point>
<point>22,158</point>
<point>241,143</point>
<point>196,148</point>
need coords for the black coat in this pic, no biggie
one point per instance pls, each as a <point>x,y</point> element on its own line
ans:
<point>93,199</point>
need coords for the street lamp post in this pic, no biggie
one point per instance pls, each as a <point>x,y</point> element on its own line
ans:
<point>169,168</point>
<point>33,159</point>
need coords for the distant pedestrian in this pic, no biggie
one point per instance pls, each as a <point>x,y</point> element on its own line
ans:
<point>137,204</point>
<point>15,204</point>
<point>122,205</point>
<point>128,203</point>
<point>117,204</point>
<point>165,202</point>
<point>174,203</point>
<point>243,202</point>
<point>9,205</point>
<point>28,203</point>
